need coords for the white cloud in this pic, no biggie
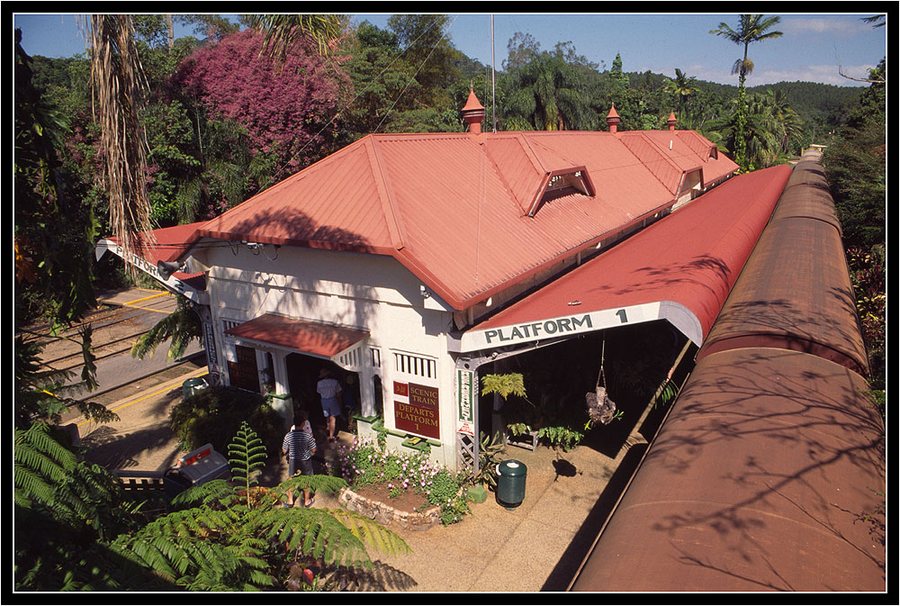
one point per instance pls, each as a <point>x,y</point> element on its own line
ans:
<point>846,26</point>
<point>824,74</point>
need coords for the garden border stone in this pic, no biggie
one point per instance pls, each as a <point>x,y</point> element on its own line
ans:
<point>387,515</point>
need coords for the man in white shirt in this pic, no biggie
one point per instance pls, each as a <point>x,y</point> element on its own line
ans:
<point>329,389</point>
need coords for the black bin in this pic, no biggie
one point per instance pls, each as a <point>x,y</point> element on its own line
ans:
<point>192,386</point>
<point>511,477</point>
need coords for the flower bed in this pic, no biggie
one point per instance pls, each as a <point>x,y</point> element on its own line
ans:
<point>391,478</point>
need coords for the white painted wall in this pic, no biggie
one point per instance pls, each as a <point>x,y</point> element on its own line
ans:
<point>370,292</point>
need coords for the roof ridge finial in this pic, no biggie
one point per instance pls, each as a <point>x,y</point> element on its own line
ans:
<point>473,112</point>
<point>612,119</point>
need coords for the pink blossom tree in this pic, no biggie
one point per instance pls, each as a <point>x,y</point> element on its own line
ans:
<point>288,109</point>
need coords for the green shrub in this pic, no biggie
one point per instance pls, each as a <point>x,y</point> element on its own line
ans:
<point>215,414</point>
<point>445,492</point>
<point>477,493</point>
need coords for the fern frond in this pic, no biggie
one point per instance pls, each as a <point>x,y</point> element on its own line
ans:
<point>246,455</point>
<point>371,533</point>
<point>149,554</point>
<point>505,385</point>
<point>31,488</point>
<point>214,491</point>
<point>38,449</point>
<point>315,532</point>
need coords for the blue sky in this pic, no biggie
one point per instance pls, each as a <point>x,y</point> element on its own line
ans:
<point>812,48</point>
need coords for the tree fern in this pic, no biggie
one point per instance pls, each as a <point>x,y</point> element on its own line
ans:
<point>246,455</point>
<point>214,491</point>
<point>313,483</point>
<point>222,539</point>
<point>65,509</point>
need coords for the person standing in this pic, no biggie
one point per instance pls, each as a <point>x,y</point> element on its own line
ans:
<point>299,447</point>
<point>329,389</point>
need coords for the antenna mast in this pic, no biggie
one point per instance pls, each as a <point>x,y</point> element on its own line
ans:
<point>493,86</point>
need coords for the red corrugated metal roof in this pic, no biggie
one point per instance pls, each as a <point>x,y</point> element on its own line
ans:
<point>170,242</point>
<point>323,340</point>
<point>768,474</point>
<point>450,206</point>
<point>691,258</point>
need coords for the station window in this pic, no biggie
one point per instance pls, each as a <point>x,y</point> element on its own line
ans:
<point>419,366</point>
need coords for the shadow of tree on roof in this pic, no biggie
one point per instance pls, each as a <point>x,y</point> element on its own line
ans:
<point>730,421</point>
<point>709,272</point>
<point>292,226</point>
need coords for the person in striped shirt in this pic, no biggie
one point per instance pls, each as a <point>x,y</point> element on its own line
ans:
<point>298,447</point>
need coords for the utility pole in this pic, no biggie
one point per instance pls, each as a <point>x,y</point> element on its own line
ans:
<point>493,84</point>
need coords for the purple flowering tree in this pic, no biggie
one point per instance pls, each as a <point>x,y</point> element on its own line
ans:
<point>288,109</point>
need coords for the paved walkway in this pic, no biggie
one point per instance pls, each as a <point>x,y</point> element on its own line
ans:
<point>537,546</point>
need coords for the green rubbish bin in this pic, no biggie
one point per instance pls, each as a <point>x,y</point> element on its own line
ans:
<point>192,386</point>
<point>511,483</point>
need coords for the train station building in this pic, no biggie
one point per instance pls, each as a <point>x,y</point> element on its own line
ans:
<point>413,262</point>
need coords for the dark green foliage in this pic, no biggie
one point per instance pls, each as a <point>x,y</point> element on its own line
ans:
<point>40,393</point>
<point>489,452</point>
<point>181,327</point>
<point>54,230</point>
<point>867,273</point>
<point>855,164</point>
<point>64,508</point>
<point>215,413</point>
<point>236,536</point>
<point>446,493</point>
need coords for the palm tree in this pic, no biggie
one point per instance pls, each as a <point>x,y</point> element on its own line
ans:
<point>282,31</point>
<point>682,87</point>
<point>789,125</point>
<point>547,93</point>
<point>181,327</point>
<point>752,28</point>
<point>119,88</point>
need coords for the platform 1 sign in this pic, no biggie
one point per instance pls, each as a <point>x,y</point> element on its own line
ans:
<point>421,414</point>
<point>553,328</point>
<point>465,387</point>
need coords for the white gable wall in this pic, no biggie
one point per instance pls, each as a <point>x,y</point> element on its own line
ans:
<point>369,292</point>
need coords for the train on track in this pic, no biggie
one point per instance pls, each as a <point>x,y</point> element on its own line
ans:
<point>768,473</point>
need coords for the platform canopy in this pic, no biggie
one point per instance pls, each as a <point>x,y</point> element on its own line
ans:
<point>327,341</point>
<point>680,269</point>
